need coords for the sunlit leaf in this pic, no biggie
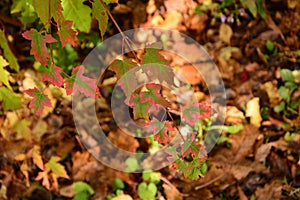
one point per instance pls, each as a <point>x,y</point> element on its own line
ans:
<point>9,100</point>
<point>48,9</point>
<point>38,44</point>
<point>79,13</point>
<point>3,73</point>
<point>13,62</point>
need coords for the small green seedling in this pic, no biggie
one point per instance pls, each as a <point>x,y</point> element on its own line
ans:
<point>288,105</point>
<point>83,191</point>
<point>147,189</point>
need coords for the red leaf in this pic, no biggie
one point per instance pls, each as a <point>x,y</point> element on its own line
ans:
<point>83,84</point>
<point>197,111</point>
<point>66,33</point>
<point>39,100</point>
<point>53,75</point>
<point>38,45</point>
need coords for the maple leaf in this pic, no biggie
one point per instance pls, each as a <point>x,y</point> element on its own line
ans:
<point>38,44</point>
<point>39,101</point>
<point>144,101</point>
<point>153,95</point>
<point>52,74</point>
<point>152,55</point>
<point>193,148</point>
<point>140,110</point>
<point>197,111</point>
<point>160,130</point>
<point>66,33</point>
<point>83,84</point>
<point>43,176</point>
<point>121,67</point>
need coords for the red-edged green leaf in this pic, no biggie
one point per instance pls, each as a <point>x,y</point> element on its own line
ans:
<point>81,83</point>
<point>52,74</point>
<point>66,33</point>
<point>39,101</point>
<point>160,130</point>
<point>193,148</point>
<point>121,67</point>
<point>153,95</point>
<point>38,45</point>
<point>56,168</point>
<point>195,112</point>
<point>159,72</point>
<point>140,110</point>
<point>100,14</point>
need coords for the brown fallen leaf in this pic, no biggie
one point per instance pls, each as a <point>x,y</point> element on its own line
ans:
<point>234,115</point>
<point>171,192</point>
<point>123,140</point>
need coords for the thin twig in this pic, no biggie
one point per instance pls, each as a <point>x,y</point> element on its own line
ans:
<point>119,29</point>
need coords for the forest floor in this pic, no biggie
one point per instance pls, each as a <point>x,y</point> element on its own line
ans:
<point>253,55</point>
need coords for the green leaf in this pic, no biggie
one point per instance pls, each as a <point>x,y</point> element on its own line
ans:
<point>289,136</point>
<point>132,164</point>
<point>270,46</point>
<point>280,107</point>
<point>82,196</point>
<point>57,168</point>
<point>287,75</point>
<point>294,105</point>
<point>9,99</point>
<point>261,10</point>
<point>118,184</point>
<point>82,186</point>
<point>13,63</point>
<point>283,92</point>
<point>147,192</point>
<point>110,1</point>
<point>79,13</point>
<point>3,73</point>
<point>234,128</point>
<point>251,6</point>
<point>100,14</point>
<point>153,177</point>
<point>27,11</point>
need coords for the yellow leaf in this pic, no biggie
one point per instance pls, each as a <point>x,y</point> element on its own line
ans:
<point>122,197</point>
<point>253,111</point>
<point>23,130</point>
<point>225,33</point>
<point>57,168</point>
